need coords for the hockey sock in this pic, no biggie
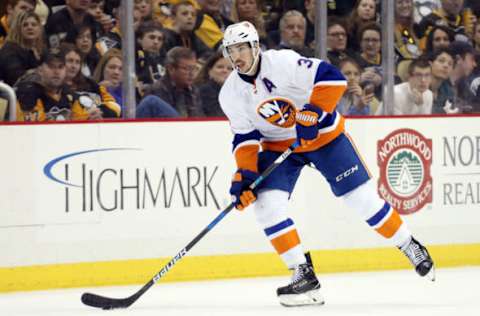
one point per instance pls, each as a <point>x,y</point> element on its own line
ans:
<point>271,213</point>
<point>378,214</point>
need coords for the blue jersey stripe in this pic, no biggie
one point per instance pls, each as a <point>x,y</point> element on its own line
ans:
<point>240,138</point>
<point>327,72</point>
<point>272,230</point>
<point>375,219</point>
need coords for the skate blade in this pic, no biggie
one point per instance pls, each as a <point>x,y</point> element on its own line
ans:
<point>294,300</point>
<point>431,274</point>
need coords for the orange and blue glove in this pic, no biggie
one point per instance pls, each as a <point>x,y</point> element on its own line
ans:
<point>307,124</point>
<point>242,196</point>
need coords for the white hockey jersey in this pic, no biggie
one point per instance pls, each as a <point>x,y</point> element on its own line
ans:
<point>264,111</point>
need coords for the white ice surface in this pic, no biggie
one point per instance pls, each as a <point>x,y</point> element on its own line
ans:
<point>455,292</point>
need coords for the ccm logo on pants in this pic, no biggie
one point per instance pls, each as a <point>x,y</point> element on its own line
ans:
<point>347,173</point>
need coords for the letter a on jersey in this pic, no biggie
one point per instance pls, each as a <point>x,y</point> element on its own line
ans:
<point>278,111</point>
<point>268,84</point>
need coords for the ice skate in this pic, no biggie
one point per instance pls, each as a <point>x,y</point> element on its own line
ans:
<point>304,288</point>
<point>420,259</point>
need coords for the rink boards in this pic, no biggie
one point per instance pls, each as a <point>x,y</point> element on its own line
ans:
<point>103,204</point>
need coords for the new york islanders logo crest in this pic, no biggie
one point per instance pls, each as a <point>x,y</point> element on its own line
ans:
<point>278,111</point>
<point>404,158</point>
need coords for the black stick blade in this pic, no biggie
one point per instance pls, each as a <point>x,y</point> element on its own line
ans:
<point>103,302</point>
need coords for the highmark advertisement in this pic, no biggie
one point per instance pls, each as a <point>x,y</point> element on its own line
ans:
<point>106,170</point>
<point>113,187</point>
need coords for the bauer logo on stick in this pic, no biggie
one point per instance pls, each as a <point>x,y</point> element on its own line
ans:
<point>278,111</point>
<point>404,158</point>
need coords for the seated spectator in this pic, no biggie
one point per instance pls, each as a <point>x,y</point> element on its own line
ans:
<point>292,33</point>
<point>449,14</point>
<point>464,63</point>
<point>365,12</point>
<point>406,42</point>
<point>109,74</point>
<point>209,82</point>
<point>370,39</point>
<point>414,97</point>
<point>369,58</point>
<point>176,87</point>
<point>439,37</point>
<point>443,92</point>
<point>182,34</point>
<point>66,20</point>
<point>211,23</point>
<point>23,47</point>
<point>96,9</point>
<point>359,98</point>
<point>86,87</point>
<point>49,99</point>
<point>13,8</point>
<point>83,37</point>
<point>251,11</point>
<point>150,54</point>
<point>337,41</point>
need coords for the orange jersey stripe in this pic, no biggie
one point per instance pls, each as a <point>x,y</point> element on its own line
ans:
<point>247,157</point>
<point>327,96</point>
<point>391,226</point>
<point>320,141</point>
<point>285,242</point>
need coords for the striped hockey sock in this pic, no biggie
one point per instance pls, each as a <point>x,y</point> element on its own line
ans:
<point>388,223</point>
<point>284,238</point>
<point>378,214</point>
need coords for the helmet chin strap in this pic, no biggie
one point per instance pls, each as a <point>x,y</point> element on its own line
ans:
<point>253,68</point>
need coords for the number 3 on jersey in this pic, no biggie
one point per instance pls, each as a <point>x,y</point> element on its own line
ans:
<point>305,61</point>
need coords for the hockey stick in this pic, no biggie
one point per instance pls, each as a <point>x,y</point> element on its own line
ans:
<point>104,302</point>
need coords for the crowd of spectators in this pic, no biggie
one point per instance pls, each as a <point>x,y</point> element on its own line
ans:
<point>64,59</point>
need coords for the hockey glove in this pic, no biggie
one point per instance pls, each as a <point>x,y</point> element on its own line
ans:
<point>242,196</point>
<point>307,124</point>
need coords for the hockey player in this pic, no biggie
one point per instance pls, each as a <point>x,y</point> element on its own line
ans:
<point>271,99</point>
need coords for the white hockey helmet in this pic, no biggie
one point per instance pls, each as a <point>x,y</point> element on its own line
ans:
<point>241,32</point>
